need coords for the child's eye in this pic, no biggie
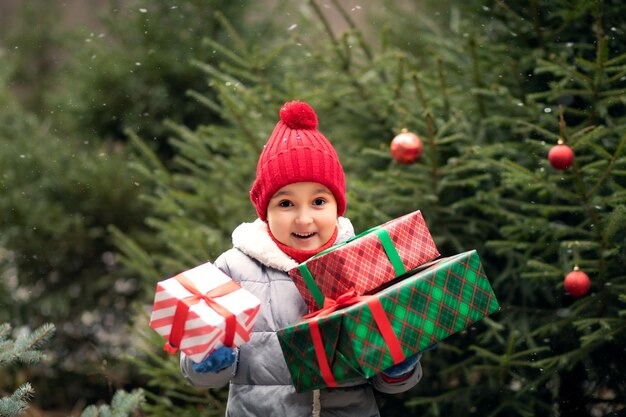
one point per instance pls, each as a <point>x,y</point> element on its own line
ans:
<point>285,203</point>
<point>319,202</point>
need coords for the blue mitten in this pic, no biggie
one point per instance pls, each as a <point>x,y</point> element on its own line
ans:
<point>406,366</point>
<point>403,368</point>
<point>219,360</point>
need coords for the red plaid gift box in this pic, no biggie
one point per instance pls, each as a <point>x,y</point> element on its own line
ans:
<point>201,310</point>
<point>367,261</point>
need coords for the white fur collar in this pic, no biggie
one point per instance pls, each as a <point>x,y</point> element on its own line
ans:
<point>254,240</point>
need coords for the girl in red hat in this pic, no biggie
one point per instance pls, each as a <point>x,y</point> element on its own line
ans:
<point>300,197</point>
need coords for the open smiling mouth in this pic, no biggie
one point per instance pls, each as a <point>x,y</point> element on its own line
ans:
<point>303,235</point>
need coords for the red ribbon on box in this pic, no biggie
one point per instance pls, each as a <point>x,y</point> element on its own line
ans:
<point>183,305</point>
<point>347,299</point>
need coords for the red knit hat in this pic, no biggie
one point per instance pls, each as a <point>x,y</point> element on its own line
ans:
<point>297,152</point>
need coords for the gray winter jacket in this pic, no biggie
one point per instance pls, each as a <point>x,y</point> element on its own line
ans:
<point>260,384</point>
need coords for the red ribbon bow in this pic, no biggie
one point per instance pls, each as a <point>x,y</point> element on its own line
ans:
<point>183,305</point>
<point>344,300</point>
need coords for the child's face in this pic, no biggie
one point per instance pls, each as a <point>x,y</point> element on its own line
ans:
<point>302,215</point>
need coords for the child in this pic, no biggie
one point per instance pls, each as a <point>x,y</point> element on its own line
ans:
<point>300,197</point>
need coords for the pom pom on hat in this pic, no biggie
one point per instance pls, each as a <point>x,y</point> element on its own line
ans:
<point>297,152</point>
<point>298,115</point>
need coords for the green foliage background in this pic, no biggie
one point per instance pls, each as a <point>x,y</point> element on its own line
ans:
<point>150,164</point>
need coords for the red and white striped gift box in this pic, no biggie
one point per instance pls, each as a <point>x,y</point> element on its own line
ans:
<point>202,309</point>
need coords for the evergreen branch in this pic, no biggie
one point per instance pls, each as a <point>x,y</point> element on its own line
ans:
<point>240,44</point>
<point>17,403</point>
<point>618,74</point>
<point>506,407</point>
<point>186,397</point>
<point>585,63</point>
<point>133,253</point>
<point>603,336</point>
<point>614,93</point>
<point>579,244</point>
<point>564,360</point>
<point>575,112</point>
<point>444,397</point>
<point>444,91</point>
<point>566,71</point>
<point>330,33</point>
<point>615,221</point>
<point>191,167</point>
<point>585,132</point>
<point>544,266</point>
<point>506,8</point>
<point>147,154</point>
<point>617,60</point>
<point>606,323</point>
<point>548,328</point>
<point>241,74</point>
<point>241,122</point>
<point>470,181</point>
<point>476,76</point>
<point>123,404</point>
<point>583,305</point>
<point>430,123</point>
<point>460,366</point>
<point>609,168</point>
<point>533,178</point>
<point>226,52</point>
<point>601,57</point>
<point>548,209</point>
<point>347,49</point>
<point>553,94</point>
<point>546,133</point>
<point>364,46</point>
<point>5,331</point>
<point>593,215</point>
<point>211,70</point>
<point>186,135</point>
<point>272,54</point>
<point>508,359</point>
<point>543,276</point>
<point>397,94</point>
<point>537,22</point>
<point>600,150</point>
<point>487,354</point>
<point>205,101</point>
<point>26,347</point>
<point>451,125</point>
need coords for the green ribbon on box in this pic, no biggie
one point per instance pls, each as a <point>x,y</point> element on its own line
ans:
<point>388,246</point>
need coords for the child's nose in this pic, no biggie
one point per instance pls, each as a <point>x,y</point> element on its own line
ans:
<point>304,217</point>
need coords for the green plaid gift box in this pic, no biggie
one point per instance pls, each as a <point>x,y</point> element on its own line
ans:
<point>377,331</point>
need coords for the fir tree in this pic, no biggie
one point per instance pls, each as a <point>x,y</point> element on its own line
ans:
<point>25,349</point>
<point>123,404</point>
<point>56,259</point>
<point>63,181</point>
<point>488,111</point>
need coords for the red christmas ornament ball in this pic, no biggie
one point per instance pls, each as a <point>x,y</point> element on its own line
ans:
<point>561,156</point>
<point>577,283</point>
<point>406,147</point>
